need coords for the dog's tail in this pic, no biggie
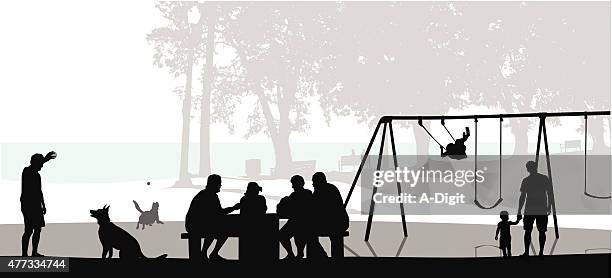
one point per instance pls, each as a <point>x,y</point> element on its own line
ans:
<point>158,257</point>
<point>137,206</point>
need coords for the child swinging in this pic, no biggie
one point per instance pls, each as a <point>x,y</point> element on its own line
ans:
<point>454,150</point>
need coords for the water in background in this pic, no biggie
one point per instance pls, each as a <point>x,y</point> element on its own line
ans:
<point>114,162</point>
<point>121,162</point>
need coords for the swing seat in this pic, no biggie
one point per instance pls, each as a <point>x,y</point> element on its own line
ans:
<point>457,156</point>
<point>597,197</point>
<point>478,204</point>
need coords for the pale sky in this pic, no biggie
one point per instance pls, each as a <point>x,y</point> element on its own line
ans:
<point>81,71</point>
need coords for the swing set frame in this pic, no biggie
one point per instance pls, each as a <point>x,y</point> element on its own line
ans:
<point>387,121</point>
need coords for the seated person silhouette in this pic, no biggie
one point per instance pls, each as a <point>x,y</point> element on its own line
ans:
<point>296,208</point>
<point>206,216</point>
<point>252,204</point>
<point>330,216</point>
<point>456,150</point>
<point>503,233</point>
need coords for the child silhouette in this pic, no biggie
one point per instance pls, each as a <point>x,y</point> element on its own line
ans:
<point>456,150</point>
<point>252,203</point>
<point>503,227</point>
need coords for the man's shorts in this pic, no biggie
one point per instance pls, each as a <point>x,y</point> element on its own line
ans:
<point>33,217</point>
<point>541,222</point>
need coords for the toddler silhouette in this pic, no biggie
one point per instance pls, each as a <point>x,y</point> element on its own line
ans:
<point>503,228</point>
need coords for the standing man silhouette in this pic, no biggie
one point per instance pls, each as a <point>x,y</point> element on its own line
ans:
<point>32,203</point>
<point>536,196</point>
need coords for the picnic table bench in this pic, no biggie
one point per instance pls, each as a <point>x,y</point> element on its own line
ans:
<point>258,240</point>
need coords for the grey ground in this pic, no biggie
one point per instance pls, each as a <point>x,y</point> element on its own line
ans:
<point>424,240</point>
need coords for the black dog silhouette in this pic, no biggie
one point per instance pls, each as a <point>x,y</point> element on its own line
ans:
<point>112,236</point>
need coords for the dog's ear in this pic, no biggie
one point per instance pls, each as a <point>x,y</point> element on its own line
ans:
<point>106,207</point>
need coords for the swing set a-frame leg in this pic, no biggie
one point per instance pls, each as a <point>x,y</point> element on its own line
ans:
<point>399,187</point>
<point>542,131</point>
<point>372,204</point>
<point>363,160</point>
<point>379,165</point>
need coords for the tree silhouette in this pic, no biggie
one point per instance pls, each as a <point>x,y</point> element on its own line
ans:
<point>188,42</point>
<point>423,58</point>
<point>374,59</point>
<point>526,57</point>
<point>176,48</point>
<point>386,63</point>
<point>277,53</point>
<point>209,10</point>
<point>587,50</point>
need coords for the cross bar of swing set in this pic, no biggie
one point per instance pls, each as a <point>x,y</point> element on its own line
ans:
<point>497,116</point>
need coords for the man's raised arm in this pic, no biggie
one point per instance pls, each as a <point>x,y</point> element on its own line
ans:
<point>50,155</point>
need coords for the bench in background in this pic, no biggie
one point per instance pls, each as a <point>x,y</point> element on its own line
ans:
<point>304,168</point>
<point>572,144</point>
<point>349,160</point>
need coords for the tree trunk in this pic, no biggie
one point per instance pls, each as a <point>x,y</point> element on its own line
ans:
<point>520,130</point>
<point>422,139</point>
<point>596,130</point>
<point>184,179</point>
<point>278,133</point>
<point>207,81</point>
<point>282,149</point>
<point>282,154</point>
